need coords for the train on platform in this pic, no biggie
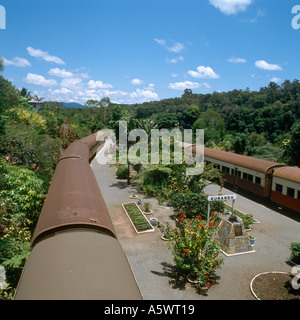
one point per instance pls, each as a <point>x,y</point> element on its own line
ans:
<point>270,180</point>
<point>76,254</point>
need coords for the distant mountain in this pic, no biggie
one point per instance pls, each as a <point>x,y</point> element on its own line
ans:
<point>71,105</point>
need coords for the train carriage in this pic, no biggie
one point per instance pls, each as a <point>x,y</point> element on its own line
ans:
<point>274,181</point>
<point>286,187</point>
<point>251,174</point>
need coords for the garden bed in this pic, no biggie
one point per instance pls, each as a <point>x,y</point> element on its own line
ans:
<point>274,286</point>
<point>138,220</point>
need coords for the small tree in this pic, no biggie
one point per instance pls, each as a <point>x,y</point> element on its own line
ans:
<point>195,251</point>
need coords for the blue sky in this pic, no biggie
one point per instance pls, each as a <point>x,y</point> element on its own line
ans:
<point>142,50</point>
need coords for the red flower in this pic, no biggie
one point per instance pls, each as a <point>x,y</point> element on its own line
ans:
<point>186,250</point>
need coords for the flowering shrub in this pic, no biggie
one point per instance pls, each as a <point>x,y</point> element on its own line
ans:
<point>194,249</point>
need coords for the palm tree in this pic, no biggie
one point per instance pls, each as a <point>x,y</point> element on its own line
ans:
<point>25,93</point>
<point>1,64</point>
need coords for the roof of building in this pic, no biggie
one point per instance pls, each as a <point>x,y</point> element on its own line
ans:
<point>239,160</point>
<point>288,173</point>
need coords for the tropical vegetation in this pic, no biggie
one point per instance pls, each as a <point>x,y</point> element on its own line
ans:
<point>263,123</point>
<point>195,251</point>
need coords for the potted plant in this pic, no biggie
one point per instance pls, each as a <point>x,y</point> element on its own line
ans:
<point>139,199</point>
<point>252,239</point>
<point>295,253</point>
<point>147,208</point>
<point>133,196</point>
<point>164,231</point>
<point>153,221</point>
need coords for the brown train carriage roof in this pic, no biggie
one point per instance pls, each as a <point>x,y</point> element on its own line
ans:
<point>288,173</point>
<point>239,160</point>
<point>74,198</point>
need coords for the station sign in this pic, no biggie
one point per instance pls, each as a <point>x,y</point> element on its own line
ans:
<point>222,197</point>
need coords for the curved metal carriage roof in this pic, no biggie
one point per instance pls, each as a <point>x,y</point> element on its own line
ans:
<point>74,198</point>
<point>238,160</point>
<point>78,265</point>
<point>288,173</point>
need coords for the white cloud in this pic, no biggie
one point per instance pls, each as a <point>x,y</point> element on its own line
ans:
<point>70,82</point>
<point>175,60</point>
<point>237,60</point>
<point>17,62</point>
<point>99,84</point>
<point>144,95</point>
<point>175,47</point>
<point>37,53</point>
<point>61,91</point>
<point>230,6</point>
<point>184,85</point>
<point>275,79</point>
<point>262,64</point>
<point>137,82</point>
<point>39,80</point>
<point>204,73</point>
<point>62,73</point>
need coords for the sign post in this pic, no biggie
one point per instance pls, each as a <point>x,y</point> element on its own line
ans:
<point>220,198</point>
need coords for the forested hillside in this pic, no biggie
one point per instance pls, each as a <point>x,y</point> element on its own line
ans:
<point>262,123</point>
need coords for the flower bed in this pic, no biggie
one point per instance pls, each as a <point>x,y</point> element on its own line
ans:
<point>138,220</point>
<point>274,285</point>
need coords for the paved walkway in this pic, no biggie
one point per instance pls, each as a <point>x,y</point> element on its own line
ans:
<point>152,262</point>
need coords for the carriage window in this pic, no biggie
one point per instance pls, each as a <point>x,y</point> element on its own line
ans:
<point>298,194</point>
<point>291,192</point>
<point>248,177</point>
<point>279,188</point>
<point>226,169</point>
<point>258,180</point>
<point>236,173</point>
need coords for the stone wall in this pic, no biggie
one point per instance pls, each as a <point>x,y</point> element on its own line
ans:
<point>233,237</point>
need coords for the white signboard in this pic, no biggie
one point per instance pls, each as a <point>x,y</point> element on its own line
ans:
<point>222,197</point>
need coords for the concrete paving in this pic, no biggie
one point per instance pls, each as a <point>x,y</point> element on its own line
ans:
<point>152,262</point>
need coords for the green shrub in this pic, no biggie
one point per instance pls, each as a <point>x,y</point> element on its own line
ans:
<point>295,252</point>
<point>192,204</point>
<point>25,192</point>
<point>21,199</point>
<point>122,172</point>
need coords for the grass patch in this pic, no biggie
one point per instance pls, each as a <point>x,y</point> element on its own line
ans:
<point>137,218</point>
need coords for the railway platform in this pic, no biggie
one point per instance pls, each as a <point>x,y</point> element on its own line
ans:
<point>151,259</point>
